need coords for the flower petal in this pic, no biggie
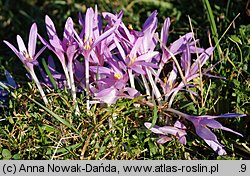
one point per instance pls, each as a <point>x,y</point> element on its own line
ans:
<point>154,129</point>
<point>214,124</point>
<point>68,32</point>
<point>217,147</point>
<point>229,115</point>
<point>108,95</point>
<point>179,125</point>
<point>172,130</point>
<point>21,45</point>
<point>147,57</point>
<point>182,140</point>
<point>32,40</point>
<point>164,31</point>
<point>163,139</point>
<point>51,30</point>
<point>202,60</point>
<point>205,133</point>
<point>11,47</point>
<point>89,23</point>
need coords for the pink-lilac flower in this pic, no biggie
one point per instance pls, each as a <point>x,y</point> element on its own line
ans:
<point>201,124</point>
<point>112,84</point>
<point>88,40</point>
<point>67,46</point>
<point>178,130</point>
<point>28,57</point>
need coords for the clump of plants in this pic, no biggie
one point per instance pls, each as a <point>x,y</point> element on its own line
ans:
<point>111,62</point>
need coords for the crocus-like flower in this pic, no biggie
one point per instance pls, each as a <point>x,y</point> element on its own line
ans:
<point>29,57</point>
<point>191,71</point>
<point>177,130</point>
<point>67,46</point>
<point>88,40</point>
<point>112,94</point>
<point>201,124</point>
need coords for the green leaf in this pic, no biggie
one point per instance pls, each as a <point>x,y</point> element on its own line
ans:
<point>48,128</point>
<point>152,147</point>
<point>49,73</point>
<point>65,122</point>
<point>235,39</point>
<point>100,152</point>
<point>155,114</point>
<point>6,154</point>
<point>2,85</point>
<point>16,157</point>
<point>11,120</point>
<point>69,148</point>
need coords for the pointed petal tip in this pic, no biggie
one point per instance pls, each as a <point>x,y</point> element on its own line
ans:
<point>228,115</point>
<point>147,125</point>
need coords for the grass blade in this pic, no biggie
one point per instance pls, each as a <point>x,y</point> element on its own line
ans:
<point>65,122</point>
<point>46,68</point>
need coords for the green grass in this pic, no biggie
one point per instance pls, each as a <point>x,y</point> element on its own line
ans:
<point>28,130</point>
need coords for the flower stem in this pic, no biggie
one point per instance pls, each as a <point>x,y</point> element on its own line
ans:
<point>73,88</point>
<point>146,86</point>
<point>131,78</point>
<point>154,87</point>
<point>87,82</point>
<point>66,75</point>
<point>33,75</point>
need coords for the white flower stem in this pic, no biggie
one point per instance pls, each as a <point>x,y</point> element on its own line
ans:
<point>87,83</point>
<point>146,86</point>
<point>66,75</point>
<point>154,87</point>
<point>33,75</point>
<point>131,78</point>
<point>73,88</point>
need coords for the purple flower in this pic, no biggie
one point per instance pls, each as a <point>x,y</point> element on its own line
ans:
<point>66,46</point>
<point>191,70</point>
<point>91,35</point>
<point>112,94</point>
<point>201,124</point>
<point>112,83</point>
<point>29,57</point>
<point>178,130</point>
<point>90,41</point>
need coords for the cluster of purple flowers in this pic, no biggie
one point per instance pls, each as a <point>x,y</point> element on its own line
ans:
<point>116,59</point>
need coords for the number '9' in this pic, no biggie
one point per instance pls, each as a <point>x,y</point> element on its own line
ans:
<point>243,168</point>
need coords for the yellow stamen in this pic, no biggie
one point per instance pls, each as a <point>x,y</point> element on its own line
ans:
<point>171,84</point>
<point>87,42</point>
<point>118,76</point>
<point>130,27</point>
<point>86,46</point>
<point>133,59</point>
<point>27,56</point>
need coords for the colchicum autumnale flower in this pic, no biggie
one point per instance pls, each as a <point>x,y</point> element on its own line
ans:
<point>201,124</point>
<point>29,58</point>
<point>120,62</point>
